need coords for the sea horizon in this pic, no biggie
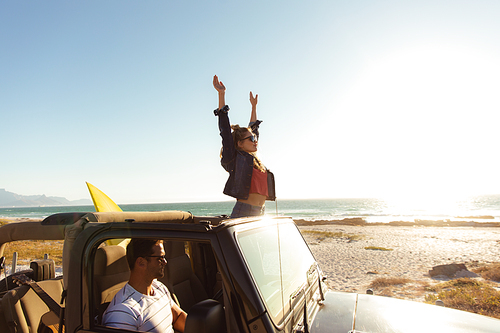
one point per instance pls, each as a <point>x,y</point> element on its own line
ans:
<point>483,208</point>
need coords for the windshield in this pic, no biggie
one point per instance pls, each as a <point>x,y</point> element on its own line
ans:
<point>279,261</point>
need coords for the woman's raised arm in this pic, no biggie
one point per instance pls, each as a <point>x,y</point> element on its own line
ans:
<point>253,101</point>
<point>221,89</point>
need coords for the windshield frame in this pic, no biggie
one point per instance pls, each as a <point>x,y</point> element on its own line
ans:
<point>295,275</point>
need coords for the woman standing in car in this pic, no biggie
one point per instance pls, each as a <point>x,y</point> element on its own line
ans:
<point>250,182</point>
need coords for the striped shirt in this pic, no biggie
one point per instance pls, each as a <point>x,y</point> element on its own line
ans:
<point>134,311</point>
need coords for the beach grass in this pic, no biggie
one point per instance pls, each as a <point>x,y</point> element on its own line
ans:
<point>467,295</point>
<point>33,250</point>
<point>392,287</point>
<point>489,272</point>
<point>377,248</point>
<point>388,282</point>
<point>321,235</point>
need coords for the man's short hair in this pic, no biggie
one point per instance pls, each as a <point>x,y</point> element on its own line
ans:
<point>140,247</point>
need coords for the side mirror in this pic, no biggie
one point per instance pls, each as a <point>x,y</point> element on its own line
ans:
<point>206,317</point>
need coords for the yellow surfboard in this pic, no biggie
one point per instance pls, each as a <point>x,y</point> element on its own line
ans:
<point>103,203</point>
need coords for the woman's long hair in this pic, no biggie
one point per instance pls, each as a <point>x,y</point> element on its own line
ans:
<point>239,133</point>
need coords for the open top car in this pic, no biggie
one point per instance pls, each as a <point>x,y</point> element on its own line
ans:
<point>230,275</point>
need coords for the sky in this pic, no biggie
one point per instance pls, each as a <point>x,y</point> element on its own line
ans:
<point>358,98</point>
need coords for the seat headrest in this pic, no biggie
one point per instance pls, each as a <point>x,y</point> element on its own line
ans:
<point>110,260</point>
<point>179,269</point>
<point>173,248</point>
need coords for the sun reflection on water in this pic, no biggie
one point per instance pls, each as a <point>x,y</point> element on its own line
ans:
<point>439,206</point>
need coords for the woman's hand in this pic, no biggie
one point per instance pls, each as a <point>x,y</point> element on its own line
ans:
<point>221,89</point>
<point>218,85</point>
<point>254,100</point>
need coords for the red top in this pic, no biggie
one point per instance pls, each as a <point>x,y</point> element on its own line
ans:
<point>259,182</point>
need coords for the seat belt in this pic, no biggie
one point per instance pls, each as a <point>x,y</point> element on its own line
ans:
<point>53,306</point>
<point>62,328</point>
<point>49,301</point>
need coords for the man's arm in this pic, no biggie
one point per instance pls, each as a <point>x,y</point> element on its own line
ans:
<point>179,318</point>
<point>120,316</point>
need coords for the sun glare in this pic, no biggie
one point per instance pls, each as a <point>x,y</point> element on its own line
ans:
<point>425,121</point>
<point>430,204</point>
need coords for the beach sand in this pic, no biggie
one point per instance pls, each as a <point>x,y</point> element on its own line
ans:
<point>405,252</point>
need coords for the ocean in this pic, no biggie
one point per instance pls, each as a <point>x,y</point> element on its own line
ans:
<point>484,208</point>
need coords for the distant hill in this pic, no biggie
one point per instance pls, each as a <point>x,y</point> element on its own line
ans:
<point>9,199</point>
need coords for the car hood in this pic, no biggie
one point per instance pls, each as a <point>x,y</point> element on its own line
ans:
<point>349,312</point>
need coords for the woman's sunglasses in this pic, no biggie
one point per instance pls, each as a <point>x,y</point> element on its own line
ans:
<point>252,138</point>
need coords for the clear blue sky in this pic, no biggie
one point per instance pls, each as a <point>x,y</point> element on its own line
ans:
<point>358,98</point>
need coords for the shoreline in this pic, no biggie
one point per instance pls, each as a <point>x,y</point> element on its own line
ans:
<point>352,221</point>
<point>19,219</point>
<point>359,221</point>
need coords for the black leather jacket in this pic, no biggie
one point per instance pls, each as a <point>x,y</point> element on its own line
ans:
<point>238,163</point>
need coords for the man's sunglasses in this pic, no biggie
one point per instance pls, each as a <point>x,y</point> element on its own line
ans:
<point>252,138</point>
<point>164,258</point>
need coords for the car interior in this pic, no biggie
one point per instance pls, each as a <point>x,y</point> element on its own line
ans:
<point>190,274</point>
